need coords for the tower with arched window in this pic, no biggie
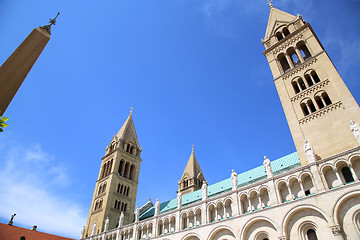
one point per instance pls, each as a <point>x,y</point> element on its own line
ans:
<point>117,182</point>
<point>317,103</point>
<point>192,177</point>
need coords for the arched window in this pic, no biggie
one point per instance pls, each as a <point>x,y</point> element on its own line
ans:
<point>286,32</point>
<point>311,234</point>
<point>308,80</point>
<point>131,150</point>
<point>319,102</point>
<point>294,57</point>
<point>347,175</point>
<point>279,36</point>
<point>128,148</point>
<point>315,77</point>
<point>118,188</point>
<point>104,187</point>
<point>304,109</point>
<point>283,62</point>
<point>113,145</point>
<point>311,106</point>
<point>305,53</point>
<point>110,168</point>
<point>100,189</point>
<point>126,172</point>
<point>302,84</point>
<point>326,98</point>
<point>121,167</point>
<point>295,86</point>
<point>132,172</point>
<point>104,169</point>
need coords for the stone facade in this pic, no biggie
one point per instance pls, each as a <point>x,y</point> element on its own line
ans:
<point>316,197</point>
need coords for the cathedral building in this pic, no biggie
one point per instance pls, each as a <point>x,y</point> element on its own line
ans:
<point>313,193</point>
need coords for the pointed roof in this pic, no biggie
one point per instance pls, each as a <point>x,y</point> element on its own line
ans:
<point>127,131</point>
<point>192,168</point>
<point>277,16</point>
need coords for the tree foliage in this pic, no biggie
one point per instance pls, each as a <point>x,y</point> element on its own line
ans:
<point>2,123</point>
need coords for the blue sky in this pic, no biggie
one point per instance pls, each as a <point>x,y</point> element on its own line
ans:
<point>192,69</point>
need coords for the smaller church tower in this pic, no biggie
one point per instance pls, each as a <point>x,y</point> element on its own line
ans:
<point>192,178</point>
<point>116,186</point>
<point>318,105</point>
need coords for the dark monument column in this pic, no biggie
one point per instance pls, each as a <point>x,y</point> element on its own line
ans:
<point>18,65</point>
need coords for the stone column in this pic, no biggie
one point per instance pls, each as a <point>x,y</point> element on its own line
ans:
<point>317,180</point>
<point>274,196</point>
<point>250,206</point>
<point>302,189</point>
<point>241,208</point>
<point>338,176</point>
<point>155,228</point>
<point>299,55</point>
<point>289,190</point>
<point>235,204</point>
<point>353,173</point>
<point>134,232</point>
<point>338,234</point>
<point>260,202</point>
<point>15,69</point>
<point>204,214</point>
<point>288,58</point>
<point>177,221</point>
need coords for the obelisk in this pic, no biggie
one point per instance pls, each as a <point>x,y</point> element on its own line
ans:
<point>17,66</point>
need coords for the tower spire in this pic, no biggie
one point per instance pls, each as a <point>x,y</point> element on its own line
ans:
<point>192,177</point>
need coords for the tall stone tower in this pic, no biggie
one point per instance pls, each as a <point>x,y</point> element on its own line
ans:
<point>116,185</point>
<point>192,177</point>
<point>317,104</point>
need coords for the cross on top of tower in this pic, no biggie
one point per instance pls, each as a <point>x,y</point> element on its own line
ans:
<point>269,3</point>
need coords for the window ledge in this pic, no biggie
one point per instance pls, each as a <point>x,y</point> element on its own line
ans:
<point>310,61</point>
<point>320,112</point>
<point>311,89</point>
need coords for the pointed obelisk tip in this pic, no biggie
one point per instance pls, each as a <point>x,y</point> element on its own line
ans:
<point>269,3</point>
<point>51,22</point>
<point>131,110</point>
<point>192,147</point>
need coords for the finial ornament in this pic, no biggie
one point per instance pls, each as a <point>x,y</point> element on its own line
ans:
<point>192,147</point>
<point>269,3</point>
<point>52,22</point>
<point>131,109</point>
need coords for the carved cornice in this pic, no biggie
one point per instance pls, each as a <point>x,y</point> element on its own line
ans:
<point>300,67</point>
<point>320,112</point>
<point>311,89</point>
<point>286,44</point>
<point>336,230</point>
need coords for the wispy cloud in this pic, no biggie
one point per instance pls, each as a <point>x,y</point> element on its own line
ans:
<point>29,180</point>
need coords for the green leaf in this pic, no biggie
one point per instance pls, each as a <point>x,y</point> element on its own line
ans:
<point>1,130</point>
<point>3,125</point>
<point>5,119</point>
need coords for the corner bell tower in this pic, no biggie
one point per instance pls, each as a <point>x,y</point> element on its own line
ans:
<point>116,186</point>
<point>192,177</point>
<point>318,105</point>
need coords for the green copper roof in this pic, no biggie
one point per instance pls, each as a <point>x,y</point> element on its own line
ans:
<point>278,166</point>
